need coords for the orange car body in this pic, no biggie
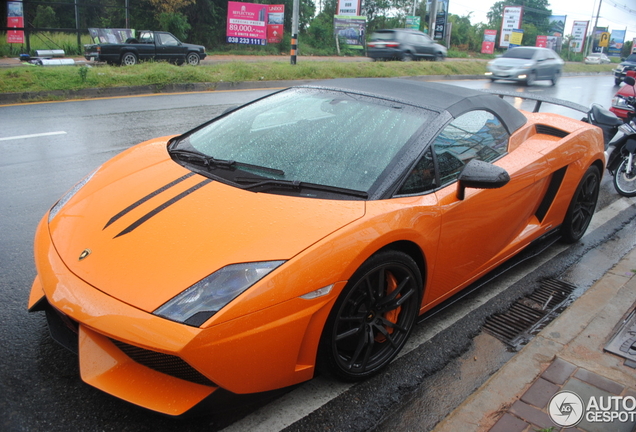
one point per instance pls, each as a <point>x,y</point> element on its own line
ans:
<point>269,337</point>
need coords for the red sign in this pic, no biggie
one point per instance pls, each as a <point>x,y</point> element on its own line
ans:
<point>488,45</point>
<point>542,41</point>
<point>15,20</point>
<point>246,23</point>
<point>275,21</point>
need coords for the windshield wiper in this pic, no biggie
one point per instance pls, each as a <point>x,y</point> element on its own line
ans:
<point>247,183</point>
<point>212,163</point>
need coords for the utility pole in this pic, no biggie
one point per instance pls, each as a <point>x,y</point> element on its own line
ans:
<point>432,19</point>
<point>589,45</point>
<point>294,36</point>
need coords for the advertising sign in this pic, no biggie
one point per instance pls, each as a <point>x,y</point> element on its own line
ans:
<point>275,21</point>
<point>351,29</point>
<point>413,22</point>
<point>246,23</point>
<point>488,45</point>
<point>511,20</point>
<point>542,41</point>
<point>579,33</point>
<point>515,38</point>
<point>15,20</point>
<point>599,40</point>
<point>617,38</point>
<point>348,7</point>
<point>557,25</point>
<point>441,19</point>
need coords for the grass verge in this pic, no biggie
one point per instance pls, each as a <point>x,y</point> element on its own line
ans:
<point>69,78</point>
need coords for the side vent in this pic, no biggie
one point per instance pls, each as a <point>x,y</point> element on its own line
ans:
<point>553,188</point>
<point>549,130</point>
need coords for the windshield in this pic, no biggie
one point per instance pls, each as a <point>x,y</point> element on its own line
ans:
<point>384,36</point>
<point>311,136</point>
<point>631,58</point>
<point>520,53</point>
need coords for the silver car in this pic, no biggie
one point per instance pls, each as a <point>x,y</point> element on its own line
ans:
<point>526,64</point>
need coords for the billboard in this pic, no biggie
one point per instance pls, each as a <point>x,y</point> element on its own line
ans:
<point>617,39</point>
<point>557,25</point>
<point>512,16</point>
<point>441,20</point>
<point>275,21</point>
<point>348,8</point>
<point>351,29</point>
<point>15,20</point>
<point>488,45</point>
<point>246,23</point>
<point>579,33</point>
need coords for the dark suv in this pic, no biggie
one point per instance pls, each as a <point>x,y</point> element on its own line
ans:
<point>629,64</point>
<point>405,45</point>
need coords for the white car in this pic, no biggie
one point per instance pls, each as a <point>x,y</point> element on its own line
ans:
<point>597,58</point>
<point>526,64</point>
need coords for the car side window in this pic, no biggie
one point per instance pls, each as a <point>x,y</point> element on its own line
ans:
<point>422,176</point>
<point>168,40</point>
<point>475,135</point>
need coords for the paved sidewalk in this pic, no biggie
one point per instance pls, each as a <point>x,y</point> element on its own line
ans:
<point>567,355</point>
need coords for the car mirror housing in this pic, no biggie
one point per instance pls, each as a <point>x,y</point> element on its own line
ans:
<point>629,80</point>
<point>481,175</point>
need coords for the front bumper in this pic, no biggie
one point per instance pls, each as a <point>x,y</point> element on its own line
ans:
<point>508,74</point>
<point>266,350</point>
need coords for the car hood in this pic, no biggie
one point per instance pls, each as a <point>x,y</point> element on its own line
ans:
<point>511,62</point>
<point>149,228</point>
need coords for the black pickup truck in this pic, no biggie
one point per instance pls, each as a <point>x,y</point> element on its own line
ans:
<point>155,45</point>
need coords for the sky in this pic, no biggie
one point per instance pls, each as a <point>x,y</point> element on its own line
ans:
<point>615,14</point>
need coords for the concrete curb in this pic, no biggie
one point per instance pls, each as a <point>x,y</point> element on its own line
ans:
<point>92,93</point>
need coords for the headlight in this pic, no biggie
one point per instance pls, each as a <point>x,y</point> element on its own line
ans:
<point>621,103</point>
<point>197,304</point>
<point>58,205</point>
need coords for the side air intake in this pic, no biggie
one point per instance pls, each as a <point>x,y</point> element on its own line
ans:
<point>549,130</point>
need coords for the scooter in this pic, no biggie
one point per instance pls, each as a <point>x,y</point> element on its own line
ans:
<point>620,143</point>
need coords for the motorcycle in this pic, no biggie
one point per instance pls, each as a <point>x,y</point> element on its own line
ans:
<point>620,142</point>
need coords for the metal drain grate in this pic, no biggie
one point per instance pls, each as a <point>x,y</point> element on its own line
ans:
<point>529,315</point>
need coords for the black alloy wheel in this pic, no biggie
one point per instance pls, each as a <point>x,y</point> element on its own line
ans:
<point>582,206</point>
<point>372,318</point>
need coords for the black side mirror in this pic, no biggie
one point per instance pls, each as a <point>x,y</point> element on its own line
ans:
<point>481,175</point>
<point>629,80</point>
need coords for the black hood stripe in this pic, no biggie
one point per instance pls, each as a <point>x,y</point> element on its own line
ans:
<point>146,198</point>
<point>163,206</point>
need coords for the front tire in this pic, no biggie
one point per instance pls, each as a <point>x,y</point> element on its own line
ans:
<point>372,318</point>
<point>617,81</point>
<point>531,78</point>
<point>582,206</point>
<point>625,184</point>
<point>193,59</point>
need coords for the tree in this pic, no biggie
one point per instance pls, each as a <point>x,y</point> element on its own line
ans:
<point>45,17</point>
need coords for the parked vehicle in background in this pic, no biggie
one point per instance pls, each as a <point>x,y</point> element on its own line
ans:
<point>597,58</point>
<point>620,103</point>
<point>526,64</point>
<point>629,64</point>
<point>149,45</point>
<point>405,45</point>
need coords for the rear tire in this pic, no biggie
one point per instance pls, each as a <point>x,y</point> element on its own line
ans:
<point>555,78</point>
<point>582,206</point>
<point>407,56</point>
<point>625,184</point>
<point>128,59</point>
<point>372,318</point>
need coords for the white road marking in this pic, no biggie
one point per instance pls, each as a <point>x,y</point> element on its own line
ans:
<point>33,135</point>
<point>307,398</point>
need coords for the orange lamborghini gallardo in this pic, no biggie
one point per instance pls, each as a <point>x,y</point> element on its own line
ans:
<point>305,231</point>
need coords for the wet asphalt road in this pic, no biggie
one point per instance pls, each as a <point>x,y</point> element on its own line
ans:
<point>39,383</point>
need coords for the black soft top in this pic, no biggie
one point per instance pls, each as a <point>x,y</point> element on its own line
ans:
<point>432,96</point>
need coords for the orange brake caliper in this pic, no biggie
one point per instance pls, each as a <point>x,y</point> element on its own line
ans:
<point>392,315</point>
